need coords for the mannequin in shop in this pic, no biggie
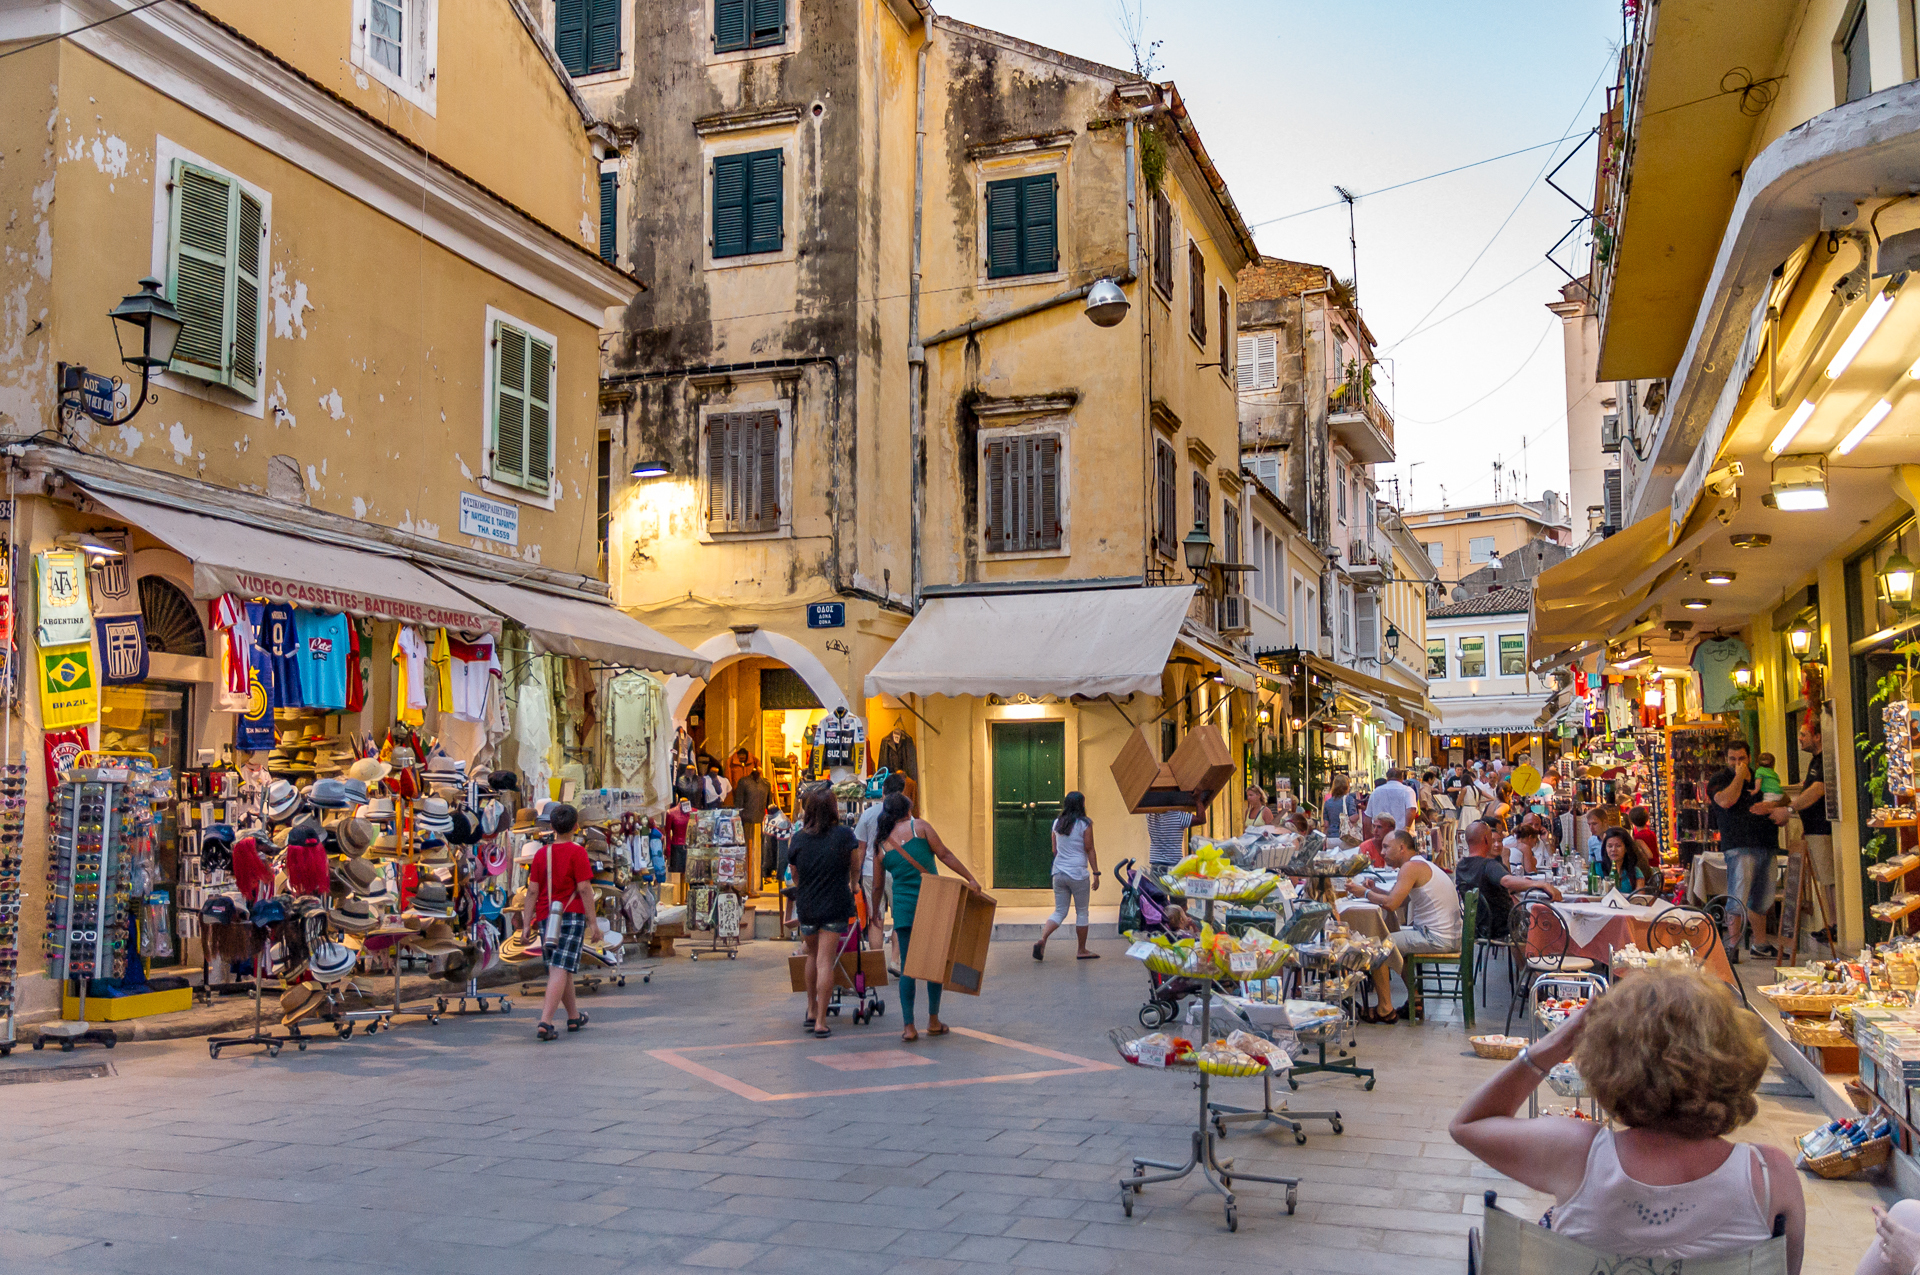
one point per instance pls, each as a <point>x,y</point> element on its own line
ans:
<point>898,753</point>
<point>841,739</point>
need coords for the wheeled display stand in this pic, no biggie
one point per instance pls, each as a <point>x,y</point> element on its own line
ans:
<point>1223,1115</point>
<point>1200,1155</point>
<point>88,939</point>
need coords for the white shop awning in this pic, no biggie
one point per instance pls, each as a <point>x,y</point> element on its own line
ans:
<point>1389,719</point>
<point>1487,719</point>
<point>1087,642</point>
<point>582,629</point>
<point>233,557</point>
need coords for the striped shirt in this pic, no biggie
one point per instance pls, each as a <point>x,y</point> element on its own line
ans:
<point>1167,836</point>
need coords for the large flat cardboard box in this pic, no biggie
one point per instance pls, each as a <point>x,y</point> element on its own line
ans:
<point>1201,764</point>
<point>872,964</point>
<point>952,929</point>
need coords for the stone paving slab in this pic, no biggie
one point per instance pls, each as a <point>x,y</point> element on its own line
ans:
<point>471,1148</point>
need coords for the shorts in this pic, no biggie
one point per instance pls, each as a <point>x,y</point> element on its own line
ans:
<point>1412,939</point>
<point>563,953</point>
<point>830,927</point>
<point>1820,855</point>
<point>1750,878</point>
<point>1074,890</point>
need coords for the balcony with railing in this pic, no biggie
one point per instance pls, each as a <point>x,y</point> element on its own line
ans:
<point>1357,417</point>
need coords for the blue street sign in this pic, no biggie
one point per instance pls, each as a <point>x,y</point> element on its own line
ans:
<point>96,395</point>
<point>826,615</point>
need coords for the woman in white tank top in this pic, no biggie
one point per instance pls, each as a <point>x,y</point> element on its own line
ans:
<point>1668,1055</point>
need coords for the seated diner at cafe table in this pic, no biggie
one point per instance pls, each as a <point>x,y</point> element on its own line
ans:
<point>1483,869</point>
<point>1433,915</point>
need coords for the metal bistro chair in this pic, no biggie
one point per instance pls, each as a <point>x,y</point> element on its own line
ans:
<point>1537,928</point>
<point>1486,944</point>
<point>1514,1246</point>
<point>1444,975</point>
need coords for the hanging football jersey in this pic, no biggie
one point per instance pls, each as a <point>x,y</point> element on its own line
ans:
<point>410,676</point>
<point>324,648</point>
<point>282,641</point>
<point>356,683</point>
<point>440,654</point>
<point>253,729</point>
<point>473,666</point>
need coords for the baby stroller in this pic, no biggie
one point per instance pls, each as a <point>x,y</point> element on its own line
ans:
<point>1143,911</point>
<point>868,1003</point>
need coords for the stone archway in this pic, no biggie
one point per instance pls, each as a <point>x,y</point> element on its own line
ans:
<point>728,648</point>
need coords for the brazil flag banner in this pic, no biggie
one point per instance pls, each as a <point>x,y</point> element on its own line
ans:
<point>69,691</point>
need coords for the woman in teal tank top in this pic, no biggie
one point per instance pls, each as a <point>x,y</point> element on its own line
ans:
<point>910,849</point>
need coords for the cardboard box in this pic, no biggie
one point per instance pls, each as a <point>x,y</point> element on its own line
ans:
<point>872,964</point>
<point>1201,764</point>
<point>952,929</point>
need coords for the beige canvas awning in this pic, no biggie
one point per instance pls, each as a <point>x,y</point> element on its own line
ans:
<point>1091,642</point>
<point>233,557</point>
<point>586,630</point>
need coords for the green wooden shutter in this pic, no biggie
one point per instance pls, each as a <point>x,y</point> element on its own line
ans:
<point>764,191</point>
<point>609,203</point>
<point>1047,490</point>
<point>729,25</point>
<point>730,206</point>
<point>603,35</point>
<point>1039,244</point>
<point>199,265</point>
<point>998,522</point>
<point>570,34</point>
<point>769,23</point>
<point>1003,229</point>
<point>244,356</point>
<point>539,415</point>
<point>509,459</point>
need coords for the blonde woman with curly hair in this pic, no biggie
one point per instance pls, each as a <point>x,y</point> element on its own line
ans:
<point>1670,1056</point>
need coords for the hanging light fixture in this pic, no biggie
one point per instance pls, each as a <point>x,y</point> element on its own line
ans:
<point>1800,639</point>
<point>651,467</point>
<point>1743,675</point>
<point>1799,483</point>
<point>1896,581</point>
<point>1717,576</point>
<point>1696,604</point>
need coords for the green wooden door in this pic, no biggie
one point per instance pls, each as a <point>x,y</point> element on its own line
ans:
<point>1029,779</point>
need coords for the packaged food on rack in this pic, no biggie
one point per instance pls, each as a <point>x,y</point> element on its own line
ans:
<point>1155,1050</point>
<point>1221,1059</point>
<point>1552,1013</point>
<point>1633,958</point>
<point>1260,1049</point>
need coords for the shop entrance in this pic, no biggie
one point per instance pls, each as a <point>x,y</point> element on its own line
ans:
<point>1029,779</point>
<point>151,717</point>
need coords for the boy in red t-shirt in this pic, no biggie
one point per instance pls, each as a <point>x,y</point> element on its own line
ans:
<point>561,872</point>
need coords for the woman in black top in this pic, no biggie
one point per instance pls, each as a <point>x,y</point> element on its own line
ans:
<point>825,859</point>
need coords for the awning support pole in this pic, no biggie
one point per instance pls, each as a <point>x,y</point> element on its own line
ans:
<point>916,712</point>
<point>1116,708</point>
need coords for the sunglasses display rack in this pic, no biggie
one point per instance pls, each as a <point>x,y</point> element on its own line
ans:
<point>13,816</point>
<point>100,816</point>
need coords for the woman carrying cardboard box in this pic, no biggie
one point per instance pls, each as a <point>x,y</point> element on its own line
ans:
<point>909,848</point>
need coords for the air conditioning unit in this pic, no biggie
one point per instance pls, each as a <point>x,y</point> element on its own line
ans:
<point>1610,434</point>
<point>1234,620</point>
<point>1360,553</point>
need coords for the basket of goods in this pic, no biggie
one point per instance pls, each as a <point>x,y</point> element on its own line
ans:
<point>1565,1081</point>
<point>1208,873</point>
<point>1843,1148</point>
<point>1259,1048</point>
<point>1222,1059</point>
<point>1631,957</point>
<point>1555,1012</point>
<point>1188,957</point>
<point>1816,996</point>
<point>1500,1048</point>
<point>1822,1033</point>
<point>1155,1050</point>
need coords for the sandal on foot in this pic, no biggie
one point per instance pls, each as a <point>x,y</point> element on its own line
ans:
<point>821,1033</point>
<point>938,1029</point>
<point>910,1035</point>
<point>1086,956</point>
<point>575,1024</point>
<point>1376,1017</point>
<point>806,1027</point>
<point>546,1031</point>
<point>1039,951</point>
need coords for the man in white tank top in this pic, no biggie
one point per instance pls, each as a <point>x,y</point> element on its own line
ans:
<point>1433,914</point>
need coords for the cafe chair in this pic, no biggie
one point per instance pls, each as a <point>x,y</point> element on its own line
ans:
<point>1685,927</point>
<point>1486,945</point>
<point>1512,1245</point>
<point>1444,975</point>
<point>1541,936</point>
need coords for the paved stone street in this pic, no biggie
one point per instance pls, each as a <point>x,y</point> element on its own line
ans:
<point>470,1148</point>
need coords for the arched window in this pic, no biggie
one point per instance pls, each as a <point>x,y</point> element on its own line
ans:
<point>172,620</point>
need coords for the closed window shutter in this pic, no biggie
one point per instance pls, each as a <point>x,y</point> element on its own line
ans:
<point>199,262</point>
<point>997,513</point>
<point>1197,292</point>
<point>570,34</point>
<point>1047,509</point>
<point>1003,229</point>
<point>509,403</point>
<point>764,194</point>
<point>763,469</point>
<point>1226,331</point>
<point>1366,628</point>
<point>729,25</point>
<point>1246,364</point>
<point>1267,374</point>
<point>717,474</point>
<point>769,23</point>
<point>1613,498</point>
<point>539,460</point>
<point>603,35</point>
<point>1202,502</point>
<point>609,202</point>
<point>1166,465</point>
<point>244,360</point>
<point>730,206</point>
<point>1039,240</point>
<point>1163,243</point>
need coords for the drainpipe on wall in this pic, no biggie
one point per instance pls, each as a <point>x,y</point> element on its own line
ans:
<point>916,353</point>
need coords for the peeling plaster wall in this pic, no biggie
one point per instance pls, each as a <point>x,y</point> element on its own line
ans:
<point>375,343</point>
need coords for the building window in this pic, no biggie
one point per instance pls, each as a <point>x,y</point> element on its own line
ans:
<point>520,435</point>
<point>1300,601</point>
<point>1197,292</point>
<point>1202,502</point>
<point>1226,334</point>
<point>1366,626</point>
<point>1346,620</point>
<point>748,24</point>
<point>1436,659</point>
<point>1233,604</point>
<point>1610,485</point>
<point>1022,231</point>
<point>387,34</point>
<point>1022,493</point>
<point>586,35</point>
<point>1166,468</point>
<point>1473,657</point>
<point>1163,244</point>
<point>1436,552</point>
<point>743,472</point>
<point>609,223</point>
<point>393,43</point>
<point>1479,548</point>
<point>1340,488</point>
<point>216,237</point>
<point>1259,363</point>
<point>1853,51</point>
<point>748,216</point>
<point>1267,469</point>
<point>1513,655</point>
<point>603,495</point>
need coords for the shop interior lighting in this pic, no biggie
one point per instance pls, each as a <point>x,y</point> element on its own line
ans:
<point>1791,429</point>
<point>1750,540</point>
<point>90,544</point>
<point>1637,658</point>
<point>1717,576</point>
<point>1849,348</point>
<point>1655,695</point>
<point>1875,414</point>
<point>1696,604</point>
<point>1896,580</point>
<point>1743,674</point>
<point>1800,639</point>
<point>1799,482</point>
<point>651,467</point>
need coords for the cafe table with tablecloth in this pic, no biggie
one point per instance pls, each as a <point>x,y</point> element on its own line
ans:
<point>1596,930</point>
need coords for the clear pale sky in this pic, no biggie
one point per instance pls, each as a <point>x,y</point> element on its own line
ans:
<point>1293,97</point>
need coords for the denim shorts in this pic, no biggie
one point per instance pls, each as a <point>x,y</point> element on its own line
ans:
<point>831,927</point>
<point>1750,878</point>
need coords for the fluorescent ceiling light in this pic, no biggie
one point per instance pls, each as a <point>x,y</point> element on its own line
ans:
<point>1791,429</point>
<point>1876,311</point>
<point>1875,414</point>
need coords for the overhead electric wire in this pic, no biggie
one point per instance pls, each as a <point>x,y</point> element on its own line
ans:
<point>111,17</point>
<point>1496,389</point>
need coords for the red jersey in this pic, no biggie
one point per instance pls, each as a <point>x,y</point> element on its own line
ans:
<point>571,868</point>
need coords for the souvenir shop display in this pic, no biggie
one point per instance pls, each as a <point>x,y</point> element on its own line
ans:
<point>13,817</point>
<point>1893,850</point>
<point>717,864</point>
<point>1693,754</point>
